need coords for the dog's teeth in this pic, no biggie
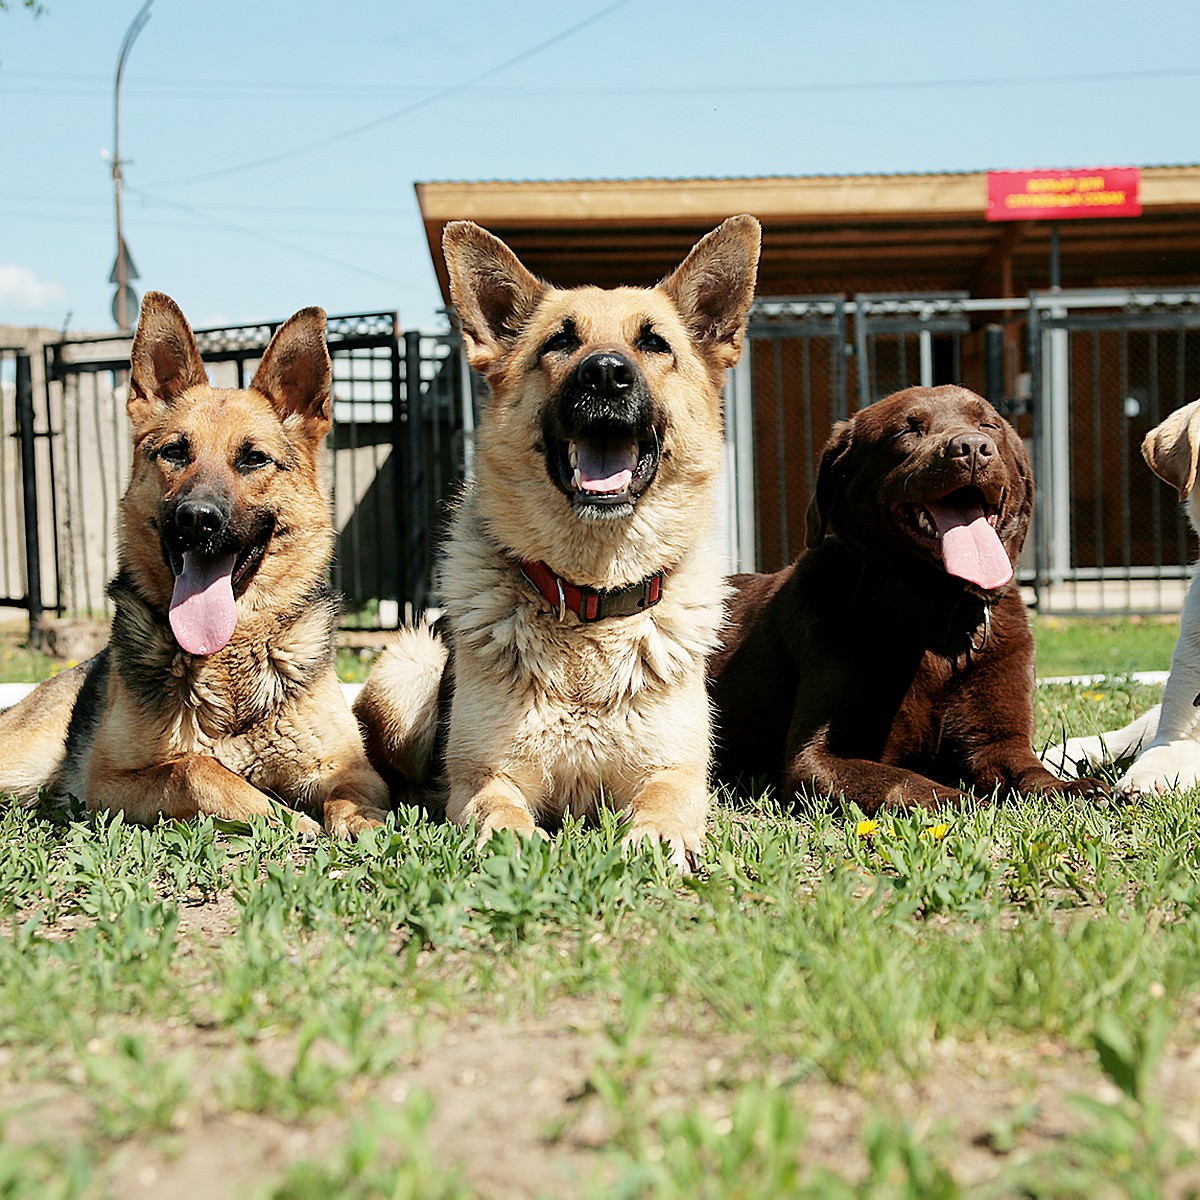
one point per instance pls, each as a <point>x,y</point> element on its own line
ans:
<point>577,480</point>
<point>573,452</point>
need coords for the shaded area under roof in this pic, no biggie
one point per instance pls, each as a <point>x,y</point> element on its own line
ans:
<point>826,234</point>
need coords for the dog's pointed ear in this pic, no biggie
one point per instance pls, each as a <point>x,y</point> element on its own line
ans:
<point>295,373</point>
<point>164,362</point>
<point>713,287</point>
<point>829,476</point>
<point>1172,449</point>
<point>494,295</point>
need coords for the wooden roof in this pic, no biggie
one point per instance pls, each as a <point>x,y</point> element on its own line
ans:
<point>826,234</point>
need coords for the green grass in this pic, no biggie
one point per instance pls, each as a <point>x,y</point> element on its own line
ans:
<point>1002,1002</point>
<point>1065,646</point>
<point>702,1031</point>
<point>1103,645</point>
<point>20,663</point>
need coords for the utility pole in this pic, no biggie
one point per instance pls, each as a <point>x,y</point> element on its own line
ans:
<point>123,270</point>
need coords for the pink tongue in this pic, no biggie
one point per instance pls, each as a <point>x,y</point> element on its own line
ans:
<point>203,610</point>
<point>970,547</point>
<point>604,466</point>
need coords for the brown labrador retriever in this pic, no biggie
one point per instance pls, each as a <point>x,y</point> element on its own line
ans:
<point>893,660</point>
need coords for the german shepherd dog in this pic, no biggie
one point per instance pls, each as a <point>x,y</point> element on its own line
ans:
<point>582,591</point>
<point>217,689</point>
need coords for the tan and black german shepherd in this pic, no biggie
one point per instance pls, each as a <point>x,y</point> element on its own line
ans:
<point>581,584</point>
<point>217,690</point>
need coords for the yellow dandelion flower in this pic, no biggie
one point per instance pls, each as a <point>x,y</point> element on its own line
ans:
<point>1094,697</point>
<point>937,832</point>
<point>866,828</point>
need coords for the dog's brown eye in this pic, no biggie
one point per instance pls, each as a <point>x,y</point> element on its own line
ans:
<point>253,460</point>
<point>564,341</point>
<point>175,453</point>
<point>653,343</point>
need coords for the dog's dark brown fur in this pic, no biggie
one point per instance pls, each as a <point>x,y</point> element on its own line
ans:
<point>865,671</point>
<point>227,484</point>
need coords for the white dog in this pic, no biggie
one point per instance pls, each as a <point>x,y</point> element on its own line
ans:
<point>1169,733</point>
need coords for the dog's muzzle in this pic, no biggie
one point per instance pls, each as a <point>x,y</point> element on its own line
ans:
<point>603,435</point>
<point>200,528</point>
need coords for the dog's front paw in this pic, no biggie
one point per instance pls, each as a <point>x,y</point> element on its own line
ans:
<point>915,792</point>
<point>1087,788</point>
<point>511,817</point>
<point>306,828</point>
<point>683,845</point>
<point>1173,766</point>
<point>349,821</point>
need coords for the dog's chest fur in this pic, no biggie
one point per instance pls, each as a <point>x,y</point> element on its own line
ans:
<point>236,705</point>
<point>585,703</point>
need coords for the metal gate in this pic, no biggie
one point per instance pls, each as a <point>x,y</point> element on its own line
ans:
<point>402,413</point>
<point>20,560</point>
<point>1082,376</point>
<point>1106,368</point>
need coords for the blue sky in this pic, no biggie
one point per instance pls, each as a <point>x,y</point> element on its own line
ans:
<point>644,89</point>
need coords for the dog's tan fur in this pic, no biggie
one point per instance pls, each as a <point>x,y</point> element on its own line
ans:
<point>550,715</point>
<point>150,730</point>
<point>1164,742</point>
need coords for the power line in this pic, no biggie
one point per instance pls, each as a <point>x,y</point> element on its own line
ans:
<point>407,110</point>
<point>318,92</point>
<point>260,236</point>
<point>240,205</point>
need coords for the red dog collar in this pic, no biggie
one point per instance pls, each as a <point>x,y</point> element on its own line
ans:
<point>590,604</point>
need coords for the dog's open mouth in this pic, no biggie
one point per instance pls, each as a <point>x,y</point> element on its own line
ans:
<point>604,468</point>
<point>960,529</point>
<point>203,610</point>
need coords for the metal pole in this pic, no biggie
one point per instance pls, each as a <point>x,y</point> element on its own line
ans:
<point>397,460</point>
<point>468,413</point>
<point>135,27</point>
<point>1055,259</point>
<point>925,341</point>
<point>33,565</point>
<point>418,511</point>
<point>740,394</point>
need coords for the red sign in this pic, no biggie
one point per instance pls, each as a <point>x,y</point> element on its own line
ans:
<point>1061,195</point>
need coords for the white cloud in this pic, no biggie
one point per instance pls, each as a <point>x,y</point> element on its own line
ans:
<point>20,288</point>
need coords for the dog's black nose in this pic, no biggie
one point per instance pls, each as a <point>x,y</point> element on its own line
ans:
<point>606,373</point>
<point>197,520</point>
<point>974,445</point>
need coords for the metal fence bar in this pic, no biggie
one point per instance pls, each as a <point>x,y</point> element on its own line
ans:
<point>419,524</point>
<point>1097,465</point>
<point>1154,403</point>
<point>781,449</point>
<point>29,497</point>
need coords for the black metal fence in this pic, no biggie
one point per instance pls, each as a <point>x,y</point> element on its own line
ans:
<point>403,412</point>
<point>1082,375</point>
<point>20,558</point>
<point>1104,371</point>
